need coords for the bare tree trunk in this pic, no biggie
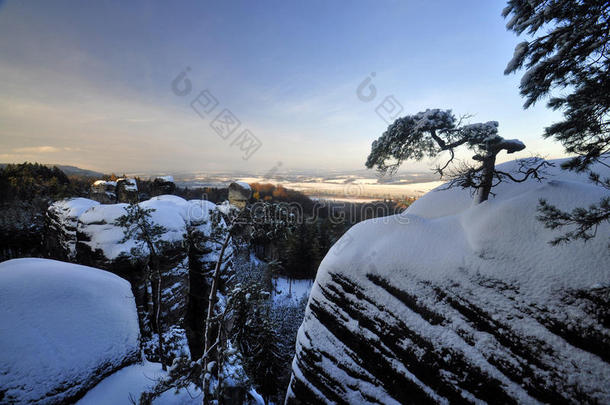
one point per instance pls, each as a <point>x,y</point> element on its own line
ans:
<point>220,361</point>
<point>158,322</point>
<point>487,177</point>
<point>210,315</point>
<point>157,304</point>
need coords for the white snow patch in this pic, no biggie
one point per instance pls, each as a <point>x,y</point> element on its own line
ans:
<point>243,185</point>
<point>290,291</point>
<point>443,231</point>
<point>73,207</point>
<point>105,183</point>
<point>131,381</point>
<point>129,184</point>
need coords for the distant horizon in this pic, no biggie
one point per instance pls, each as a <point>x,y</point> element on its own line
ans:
<point>278,171</point>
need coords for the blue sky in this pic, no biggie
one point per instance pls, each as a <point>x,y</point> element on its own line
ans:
<point>89,83</point>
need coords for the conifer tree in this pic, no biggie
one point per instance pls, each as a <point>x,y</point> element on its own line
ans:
<point>568,60</point>
<point>138,226</point>
<point>431,132</point>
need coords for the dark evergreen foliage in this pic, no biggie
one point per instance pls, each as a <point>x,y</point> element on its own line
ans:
<point>26,190</point>
<point>255,334</point>
<point>31,181</point>
<point>568,61</point>
<point>568,53</point>
<point>584,220</point>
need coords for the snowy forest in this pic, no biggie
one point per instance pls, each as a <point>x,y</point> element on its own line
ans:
<point>144,282</point>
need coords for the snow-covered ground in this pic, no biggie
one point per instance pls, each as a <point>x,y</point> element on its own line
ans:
<point>128,383</point>
<point>358,186</point>
<point>290,291</point>
<point>443,231</point>
<point>63,327</point>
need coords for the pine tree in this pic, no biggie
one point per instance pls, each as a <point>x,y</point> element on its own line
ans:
<point>255,334</point>
<point>221,235</point>
<point>429,133</point>
<point>138,226</point>
<point>568,59</point>
<point>319,245</point>
<point>297,260</point>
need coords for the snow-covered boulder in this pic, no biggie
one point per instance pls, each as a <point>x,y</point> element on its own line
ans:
<point>63,327</point>
<point>97,230</point>
<point>452,302</point>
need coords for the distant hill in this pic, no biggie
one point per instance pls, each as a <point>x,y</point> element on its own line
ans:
<point>69,170</point>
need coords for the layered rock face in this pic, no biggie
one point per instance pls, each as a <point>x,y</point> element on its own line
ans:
<point>61,222</point>
<point>21,229</point>
<point>454,303</point>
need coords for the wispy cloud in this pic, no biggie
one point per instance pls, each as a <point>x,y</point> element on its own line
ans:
<point>36,149</point>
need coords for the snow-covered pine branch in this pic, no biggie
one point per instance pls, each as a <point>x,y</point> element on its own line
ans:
<point>429,133</point>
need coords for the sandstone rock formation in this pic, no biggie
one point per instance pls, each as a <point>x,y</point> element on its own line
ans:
<point>127,190</point>
<point>163,185</point>
<point>455,303</point>
<point>61,221</point>
<point>84,231</point>
<point>239,194</point>
<point>103,192</point>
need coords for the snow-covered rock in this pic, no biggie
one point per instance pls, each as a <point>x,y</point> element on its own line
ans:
<point>100,244</point>
<point>63,327</point>
<point>127,190</point>
<point>98,231</point>
<point>61,220</point>
<point>454,302</point>
<point>239,194</point>
<point>103,191</point>
<point>186,253</point>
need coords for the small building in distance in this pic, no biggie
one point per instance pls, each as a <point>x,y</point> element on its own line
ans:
<point>163,185</point>
<point>127,190</point>
<point>103,191</point>
<point>239,194</point>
